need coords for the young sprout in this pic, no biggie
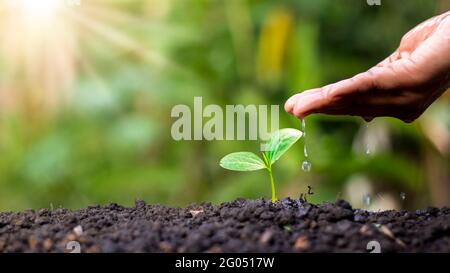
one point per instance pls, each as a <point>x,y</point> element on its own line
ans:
<point>279,142</point>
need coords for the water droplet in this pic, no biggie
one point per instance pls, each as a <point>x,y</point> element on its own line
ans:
<point>367,140</point>
<point>306,166</point>
<point>303,126</point>
<point>403,196</point>
<point>305,150</point>
<point>366,199</point>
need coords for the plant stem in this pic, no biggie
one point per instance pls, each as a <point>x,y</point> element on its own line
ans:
<point>272,184</point>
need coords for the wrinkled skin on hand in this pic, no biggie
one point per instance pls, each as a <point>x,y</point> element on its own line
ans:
<point>402,86</point>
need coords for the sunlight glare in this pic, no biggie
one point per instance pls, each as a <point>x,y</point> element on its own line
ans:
<point>38,9</point>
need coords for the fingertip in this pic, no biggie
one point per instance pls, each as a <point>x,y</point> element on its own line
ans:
<point>288,106</point>
<point>290,103</point>
<point>295,105</point>
<point>299,111</point>
<point>301,104</point>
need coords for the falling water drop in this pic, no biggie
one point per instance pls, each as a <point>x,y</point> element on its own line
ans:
<point>305,150</point>
<point>366,139</point>
<point>306,165</point>
<point>403,196</point>
<point>366,200</point>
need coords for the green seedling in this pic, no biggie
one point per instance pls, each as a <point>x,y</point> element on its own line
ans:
<point>279,142</point>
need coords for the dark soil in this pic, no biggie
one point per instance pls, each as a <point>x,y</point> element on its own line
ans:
<point>239,226</point>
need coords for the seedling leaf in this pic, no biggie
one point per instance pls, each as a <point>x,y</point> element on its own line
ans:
<point>242,161</point>
<point>280,141</point>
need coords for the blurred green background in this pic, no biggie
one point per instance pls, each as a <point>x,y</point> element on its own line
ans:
<point>86,93</point>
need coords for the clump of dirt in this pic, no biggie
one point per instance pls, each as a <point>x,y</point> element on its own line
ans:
<point>238,226</point>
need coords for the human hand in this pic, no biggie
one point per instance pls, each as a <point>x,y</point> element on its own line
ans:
<point>401,86</point>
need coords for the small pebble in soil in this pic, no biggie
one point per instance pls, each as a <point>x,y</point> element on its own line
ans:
<point>78,230</point>
<point>195,212</point>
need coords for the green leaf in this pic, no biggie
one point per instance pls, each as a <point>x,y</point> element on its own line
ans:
<point>242,161</point>
<point>280,141</point>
